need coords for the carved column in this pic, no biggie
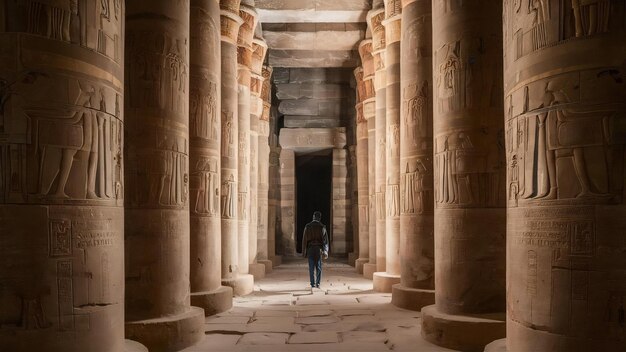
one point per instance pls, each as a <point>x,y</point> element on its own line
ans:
<point>364,91</point>
<point>61,177</point>
<point>207,291</point>
<point>157,175</point>
<point>369,114</point>
<point>469,176</point>
<point>274,225</point>
<point>263,237</point>
<point>416,288</point>
<point>244,60</point>
<point>256,110</point>
<point>230,23</point>
<point>383,281</point>
<point>374,19</point>
<point>565,126</point>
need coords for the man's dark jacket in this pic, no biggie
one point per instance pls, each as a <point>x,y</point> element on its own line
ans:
<point>314,235</point>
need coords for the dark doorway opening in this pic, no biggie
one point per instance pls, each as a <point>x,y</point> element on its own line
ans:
<point>314,189</point>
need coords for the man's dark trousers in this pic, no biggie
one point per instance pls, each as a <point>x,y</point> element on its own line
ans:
<point>315,263</point>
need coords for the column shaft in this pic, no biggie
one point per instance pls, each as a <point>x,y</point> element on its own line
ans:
<point>204,154</point>
<point>469,175</point>
<point>157,174</point>
<point>362,173</point>
<point>230,24</point>
<point>416,161</point>
<point>61,177</point>
<point>263,236</point>
<point>565,128</point>
<point>383,282</point>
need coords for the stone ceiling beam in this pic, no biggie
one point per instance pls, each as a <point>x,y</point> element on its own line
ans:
<point>318,40</point>
<point>285,11</point>
<point>313,58</point>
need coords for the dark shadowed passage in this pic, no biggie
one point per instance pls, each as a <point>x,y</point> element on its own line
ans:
<point>314,182</point>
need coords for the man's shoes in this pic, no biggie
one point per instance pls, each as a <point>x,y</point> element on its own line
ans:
<point>317,286</point>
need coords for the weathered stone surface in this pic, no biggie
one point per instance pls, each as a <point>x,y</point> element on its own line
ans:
<point>312,138</point>
<point>62,177</point>
<point>294,121</point>
<point>565,126</point>
<point>264,339</point>
<point>314,337</point>
<point>320,58</point>
<point>312,91</point>
<point>318,40</point>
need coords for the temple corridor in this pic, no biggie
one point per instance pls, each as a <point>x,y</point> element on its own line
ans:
<point>160,160</point>
<point>344,315</point>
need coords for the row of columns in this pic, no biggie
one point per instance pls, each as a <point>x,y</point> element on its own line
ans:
<point>489,199</point>
<point>135,227</point>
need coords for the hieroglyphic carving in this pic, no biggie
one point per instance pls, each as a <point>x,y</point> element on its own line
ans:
<point>158,71</point>
<point>547,157</point>
<point>416,107</point>
<point>205,187</point>
<point>229,192</point>
<point>228,138</point>
<point>60,243</point>
<point>467,172</point>
<point>393,200</point>
<point>203,113</point>
<point>417,191</point>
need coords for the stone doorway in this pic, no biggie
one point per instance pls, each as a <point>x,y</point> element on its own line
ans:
<point>313,190</point>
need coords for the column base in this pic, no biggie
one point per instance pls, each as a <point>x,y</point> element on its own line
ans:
<point>276,260</point>
<point>257,270</point>
<point>496,346</point>
<point>168,334</point>
<point>242,284</point>
<point>213,302</point>
<point>383,282</point>
<point>134,346</point>
<point>352,257</point>
<point>359,265</point>
<point>462,332</point>
<point>411,298</point>
<point>268,265</point>
<point>369,270</point>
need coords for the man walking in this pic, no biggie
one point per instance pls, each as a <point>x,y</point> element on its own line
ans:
<point>314,246</point>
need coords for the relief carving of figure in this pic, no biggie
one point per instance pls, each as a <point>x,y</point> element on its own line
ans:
<point>205,187</point>
<point>229,191</point>
<point>591,16</point>
<point>415,195</point>
<point>228,139</point>
<point>416,108</point>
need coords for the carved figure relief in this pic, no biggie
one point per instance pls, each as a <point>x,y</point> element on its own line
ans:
<point>465,174</point>
<point>558,150</point>
<point>229,197</point>
<point>158,71</point>
<point>416,107</point>
<point>228,138</point>
<point>451,81</point>
<point>203,113</point>
<point>380,206</point>
<point>417,194</point>
<point>393,200</point>
<point>205,187</point>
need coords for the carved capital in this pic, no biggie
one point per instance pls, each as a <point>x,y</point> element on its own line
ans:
<point>246,31</point>
<point>259,49</point>
<point>229,26</point>
<point>393,29</point>
<point>375,22</point>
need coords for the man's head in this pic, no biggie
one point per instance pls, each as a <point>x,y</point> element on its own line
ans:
<point>317,216</point>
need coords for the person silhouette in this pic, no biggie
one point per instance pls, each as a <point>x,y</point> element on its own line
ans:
<point>314,247</point>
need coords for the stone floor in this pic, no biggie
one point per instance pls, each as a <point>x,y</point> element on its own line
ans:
<point>284,314</point>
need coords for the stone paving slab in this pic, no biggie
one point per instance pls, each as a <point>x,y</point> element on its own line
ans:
<point>264,339</point>
<point>284,315</point>
<point>314,337</point>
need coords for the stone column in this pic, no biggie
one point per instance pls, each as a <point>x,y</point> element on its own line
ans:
<point>362,173</point>
<point>340,203</point>
<point>374,19</point>
<point>417,247</point>
<point>369,114</point>
<point>207,291</point>
<point>263,235</point>
<point>287,189</point>
<point>469,174</point>
<point>383,281</point>
<point>565,126</point>
<point>256,110</point>
<point>229,151</point>
<point>61,178</point>
<point>158,311</point>
<point>244,60</point>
